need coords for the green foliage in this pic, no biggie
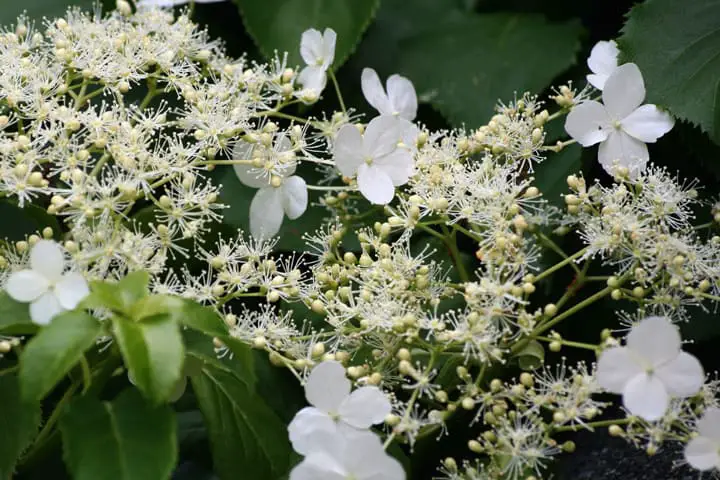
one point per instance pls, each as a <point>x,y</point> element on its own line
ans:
<point>153,352</point>
<point>278,24</point>
<point>14,316</point>
<point>245,434</point>
<point>19,222</point>
<point>676,46</point>
<point>36,9</point>
<point>50,355</point>
<point>119,296</point>
<point>464,66</point>
<point>127,439</point>
<point>532,356</point>
<point>19,421</point>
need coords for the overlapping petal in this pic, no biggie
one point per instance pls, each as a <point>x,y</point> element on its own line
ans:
<point>266,212</point>
<point>327,386</point>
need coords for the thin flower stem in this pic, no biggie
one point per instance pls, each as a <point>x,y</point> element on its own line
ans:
<point>408,411</point>
<point>561,264</point>
<point>467,232</point>
<point>555,248</point>
<point>704,226</point>
<point>568,343</point>
<point>337,90</point>
<point>572,310</point>
<point>225,162</point>
<point>451,243</point>
<point>591,425</point>
<point>331,188</point>
<point>559,145</point>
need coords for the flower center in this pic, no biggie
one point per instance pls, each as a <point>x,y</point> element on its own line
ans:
<point>369,160</point>
<point>616,124</point>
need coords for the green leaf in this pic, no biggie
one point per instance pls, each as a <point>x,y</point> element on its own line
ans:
<point>15,316</point>
<point>127,439</point>
<point>203,319</point>
<point>20,222</point>
<point>245,435</point>
<point>19,421</point>
<point>463,67</point>
<point>153,352</point>
<point>676,46</point>
<point>119,296</point>
<point>278,24</point>
<point>50,355</point>
<point>551,175</point>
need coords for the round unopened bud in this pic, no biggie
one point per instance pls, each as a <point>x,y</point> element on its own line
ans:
<point>555,346</point>
<point>527,379</point>
<point>468,403</point>
<point>550,310</point>
<point>47,233</point>
<point>638,292</point>
<point>496,385</point>
<point>616,294</point>
<point>404,354</point>
<point>318,349</point>
<point>318,307</point>
<point>615,431</point>
<point>475,446</point>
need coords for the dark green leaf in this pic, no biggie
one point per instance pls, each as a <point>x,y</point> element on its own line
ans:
<point>19,222</point>
<point>245,435</point>
<point>202,319</point>
<point>36,9</point>
<point>119,296</point>
<point>15,316</point>
<point>153,352</point>
<point>127,439</point>
<point>278,24</point>
<point>551,175</point>
<point>19,421</point>
<point>54,351</point>
<point>676,46</point>
<point>463,67</point>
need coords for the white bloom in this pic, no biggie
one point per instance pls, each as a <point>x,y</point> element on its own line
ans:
<point>334,409</point>
<point>650,368</point>
<point>703,451</point>
<point>603,61</point>
<point>400,99</point>
<point>622,126</point>
<point>44,285</point>
<point>280,192</point>
<point>337,457</point>
<point>318,51</point>
<point>375,158</point>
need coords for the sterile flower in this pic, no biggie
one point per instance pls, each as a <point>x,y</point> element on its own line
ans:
<point>280,192</point>
<point>318,51</point>
<point>603,61</point>
<point>650,368</point>
<point>44,285</point>
<point>358,457</point>
<point>622,126</point>
<point>703,451</point>
<point>400,99</point>
<point>376,159</point>
<point>334,409</point>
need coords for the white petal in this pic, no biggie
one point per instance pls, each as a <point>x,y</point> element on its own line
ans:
<point>616,367</point>
<point>624,91</point>
<point>26,285</point>
<point>655,339</point>
<point>304,428</point>
<point>283,145</point>
<point>374,92</point>
<point>645,396</point>
<point>251,176</point>
<point>709,424</point>
<point>329,41</point>
<point>327,386</point>
<point>368,460</point>
<point>383,467</point>
<point>702,453</point>
<point>45,308</point>
<point>588,123</point>
<point>318,466</point>
<point>648,123</point>
<point>313,78</point>
<point>294,196</point>
<point>375,184</point>
<point>620,149</point>
<point>266,212</point>
<point>47,258</point>
<point>410,133</point>
<point>682,376</point>
<point>403,98</point>
<point>71,290</point>
<point>597,80</point>
<point>382,135</point>
<point>365,407</point>
<point>603,61</point>
<point>398,165</point>
<point>311,45</point>
<point>349,150</point>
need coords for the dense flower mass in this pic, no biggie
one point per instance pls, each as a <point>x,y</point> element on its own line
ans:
<point>118,128</point>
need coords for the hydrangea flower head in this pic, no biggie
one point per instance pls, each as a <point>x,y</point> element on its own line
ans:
<point>621,124</point>
<point>376,159</point>
<point>44,285</point>
<point>334,408</point>
<point>602,62</point>
<point>650,368</point>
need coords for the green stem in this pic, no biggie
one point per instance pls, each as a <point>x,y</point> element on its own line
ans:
<point>331,188</point>
<point>572,310</point>
<point>591,425</point>
<point>451,243</point>
<point>561,264</point>
<point>337,90</point>
<point>568,343</point>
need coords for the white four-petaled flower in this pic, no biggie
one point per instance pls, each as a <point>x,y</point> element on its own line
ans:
<point>359,456</point>
<point>399,100</point>
<point>334,409</point>
<point>621,125</point>
<point>603,61</point>
<point>318,51</point>
<point>703,451</point>
<point>650,368</point>
<point>48,290</point>
<point>280,192</point>
<point>375,157</point>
